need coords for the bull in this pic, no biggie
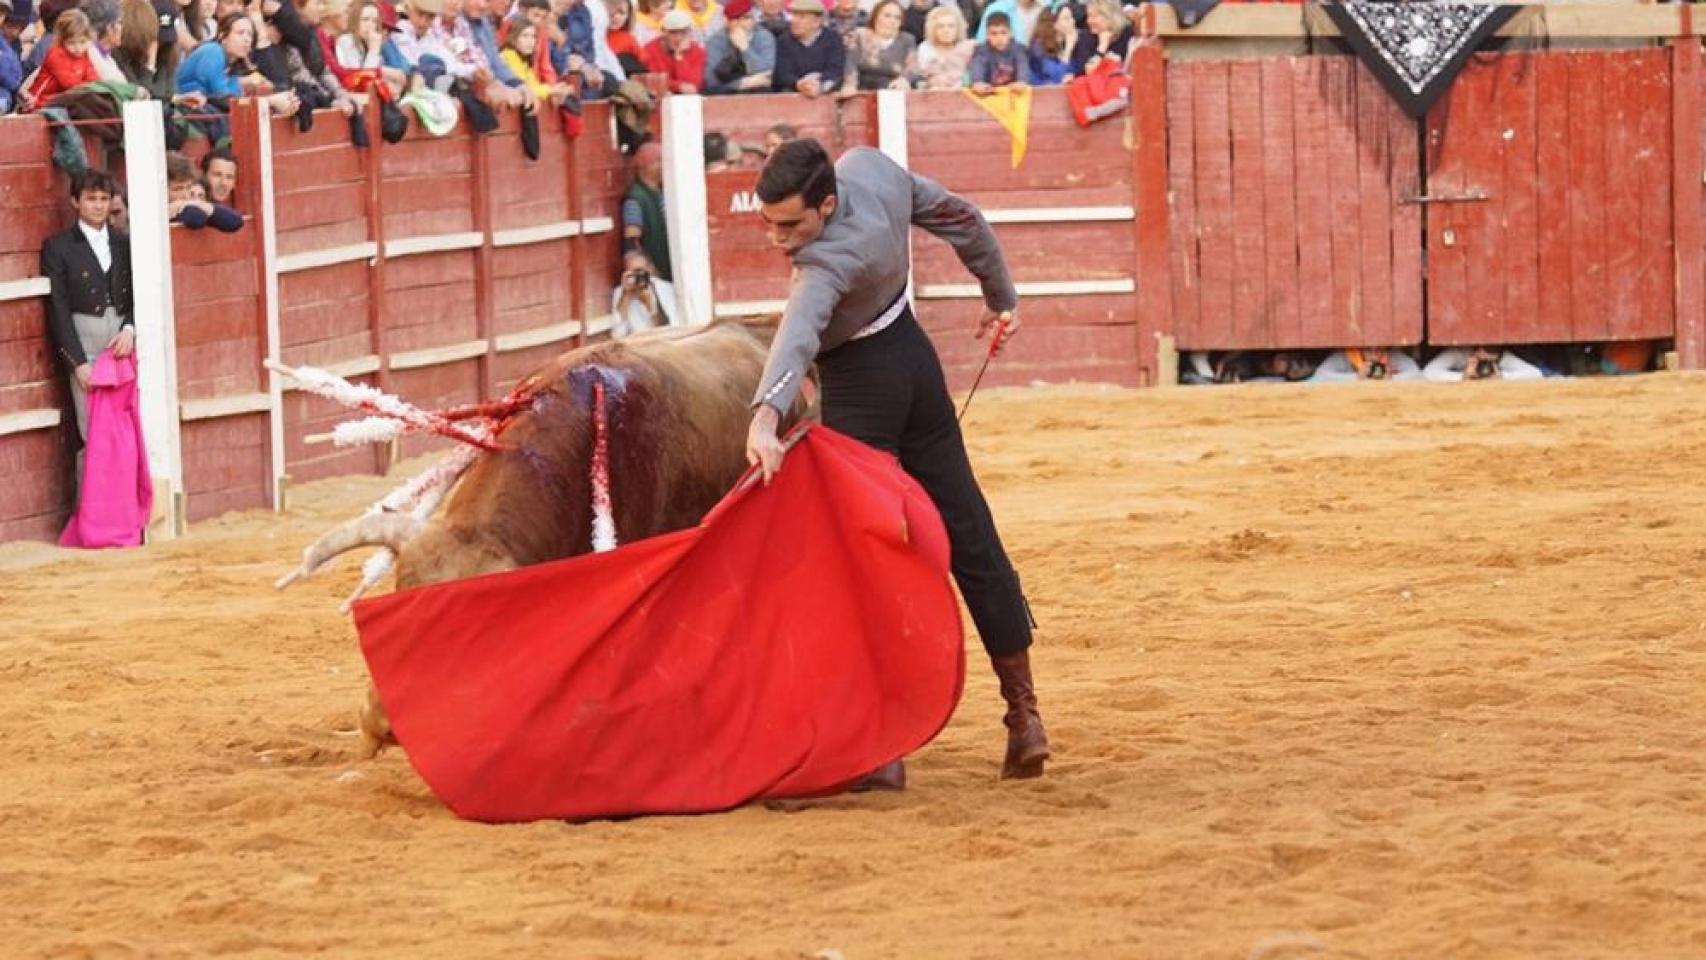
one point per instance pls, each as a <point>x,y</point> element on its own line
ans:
<point>678,405</point>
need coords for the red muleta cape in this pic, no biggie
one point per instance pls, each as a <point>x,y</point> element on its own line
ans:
<point>800,637</point>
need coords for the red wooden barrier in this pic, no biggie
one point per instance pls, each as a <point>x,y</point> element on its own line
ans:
<point>1066,223</point>
<point>1573,239</point>
<point>1288,226</point>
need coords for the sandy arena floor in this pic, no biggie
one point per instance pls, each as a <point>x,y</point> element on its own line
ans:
<point>1367,671</point>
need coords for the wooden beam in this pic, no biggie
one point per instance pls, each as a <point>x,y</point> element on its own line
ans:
<point>1060,215</point>
<point>536,337</point>
<point>331,256</point>
<point>25,289</point>
<point>1032,288</point>
<point>28,420</point>
<point>749,308</point>
<point>228,406</point>
<point>437,243</point>
<point>522,236</point>
<point>1152,227</point>
<point>433,356</point>
<point>1688,145</point>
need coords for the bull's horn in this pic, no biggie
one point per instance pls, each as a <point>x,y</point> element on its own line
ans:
<point>369,530</point>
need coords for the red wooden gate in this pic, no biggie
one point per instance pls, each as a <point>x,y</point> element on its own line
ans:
<point>1285,178</point>
<point>1549,200</point>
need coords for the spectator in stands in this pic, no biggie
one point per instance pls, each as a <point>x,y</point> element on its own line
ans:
<point>777,135</point>
<point>11,69</point>
<point>219,169</point>
<point>642,300</point>
<point>198,24</point>
<point>91,302</point>
<point>645,20</point>
<point>944,58</point>
<point>1367,364</point>
<point>643,226</point>
<point>14,22</point>
<point>1022,17</point>
<point>811,59</point>
<point>882,56</point>
<point>67,64</point>
<point>846,17</point>
<point>707,17</point>
<point>538,13</point>
<point>912,20</point>
<point>602,56</point>
<point>1478,363</point>
<point>773,16</point>
<point>518,51</point>
<point>118,214</point>
<point>620,38</point>
<point>142,50</point>
<point>1053,41</point>
<point>1109,36</point>
<point>185,207</point>
<point>741,57</point>
<point>105,19</point>
<point>998,61</point>
<point>425,48</point>
<point>456,32</point>
<point>366,52</point>
<point>220,68</point>
<point>578,52</point>
<point>676,54</point>
<point>286,67</point>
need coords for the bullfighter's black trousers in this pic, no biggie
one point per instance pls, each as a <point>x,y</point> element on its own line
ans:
<point>887,390</point>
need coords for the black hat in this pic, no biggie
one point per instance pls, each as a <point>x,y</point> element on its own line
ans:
<point>167,11</point>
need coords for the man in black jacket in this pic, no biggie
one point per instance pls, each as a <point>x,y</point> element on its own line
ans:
<point>91,303</point>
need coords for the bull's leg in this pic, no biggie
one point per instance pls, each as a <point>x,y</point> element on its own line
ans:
<point>376,732</point>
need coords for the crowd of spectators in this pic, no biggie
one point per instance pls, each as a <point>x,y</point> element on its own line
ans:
<point>302,55</point>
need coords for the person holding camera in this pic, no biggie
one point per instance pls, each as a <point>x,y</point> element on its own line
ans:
<point>642,300</point>
<point>1454,364</point>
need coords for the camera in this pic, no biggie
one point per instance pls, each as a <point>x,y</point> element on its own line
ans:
<point>1485,367</point>
<point>641,277</point>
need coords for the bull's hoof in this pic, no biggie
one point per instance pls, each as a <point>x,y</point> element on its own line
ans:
<point>376,732</point>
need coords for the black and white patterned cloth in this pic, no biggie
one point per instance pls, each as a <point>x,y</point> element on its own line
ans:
<point>1416,47</point>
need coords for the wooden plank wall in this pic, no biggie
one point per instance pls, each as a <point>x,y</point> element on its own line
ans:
<point>1576,241</point>
<point>601,178</point>
<point>35,463</point>
<point>745,269</point>
<point>220,325</point>
<point>321,200</point>
<point>1079,335</point>
<point>1286,178</point>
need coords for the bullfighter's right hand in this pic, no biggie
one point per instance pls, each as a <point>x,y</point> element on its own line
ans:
<point>764,449</point>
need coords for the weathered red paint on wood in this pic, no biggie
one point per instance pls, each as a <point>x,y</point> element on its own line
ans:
<point>1689,203</point>
<point>1286,175</point>
<point>1576,239</point>
<point>1279,202</point>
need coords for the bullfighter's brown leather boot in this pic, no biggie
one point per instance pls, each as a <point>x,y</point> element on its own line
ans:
<point>1027,741</point>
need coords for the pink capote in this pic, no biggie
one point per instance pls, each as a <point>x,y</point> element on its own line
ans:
<point>117,493</point>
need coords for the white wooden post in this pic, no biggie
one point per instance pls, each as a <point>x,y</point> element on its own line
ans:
<point>891,140</point>
<point>156,322</point>
<point>684,205</point>
<point>269,256</point>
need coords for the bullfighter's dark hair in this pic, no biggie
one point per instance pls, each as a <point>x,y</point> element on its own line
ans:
<point>799,167</point>
<point>99,181</point>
